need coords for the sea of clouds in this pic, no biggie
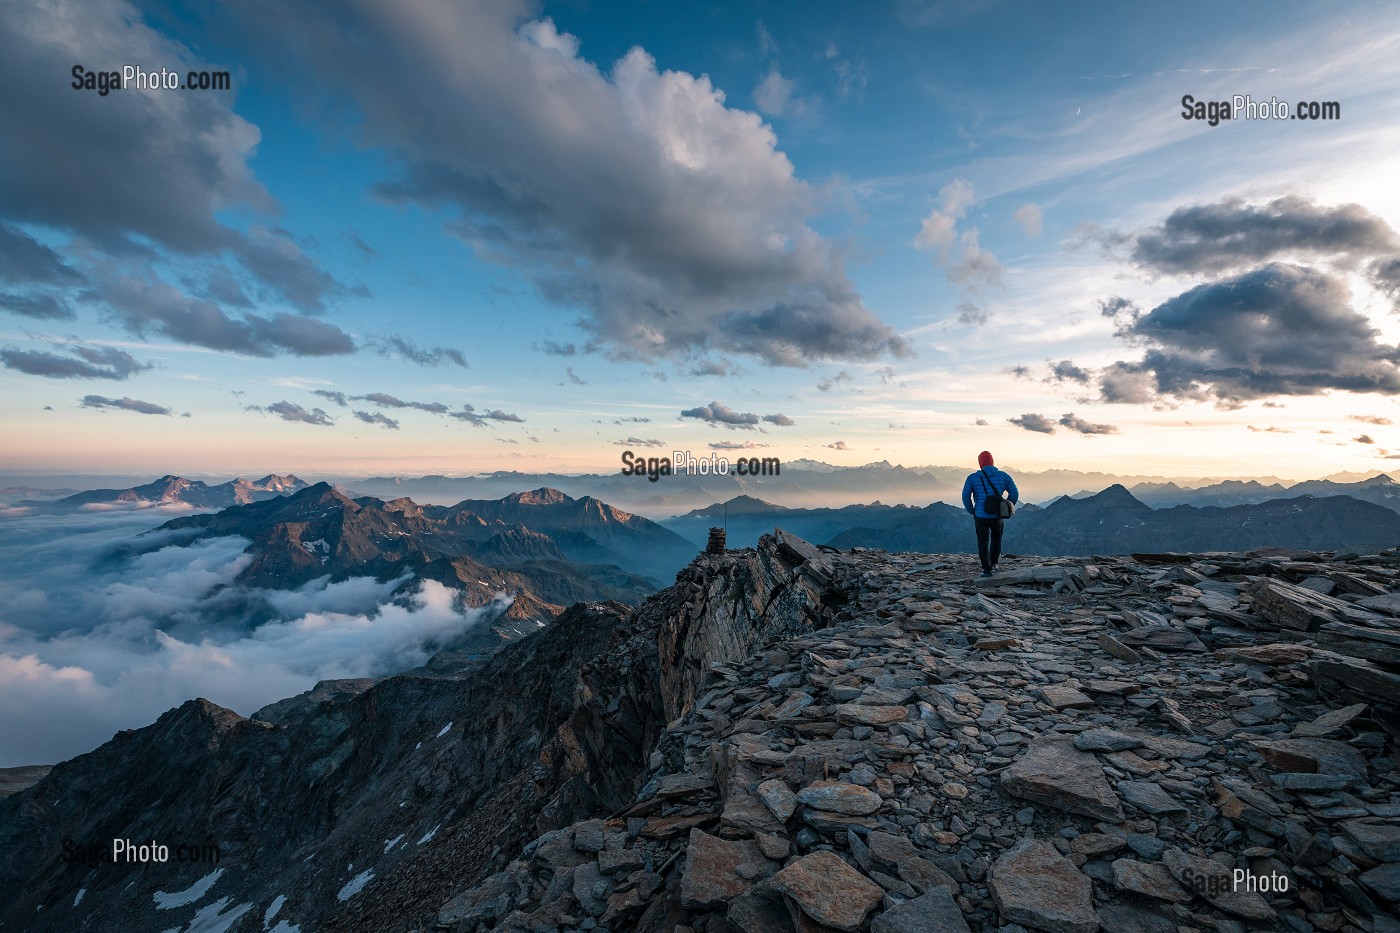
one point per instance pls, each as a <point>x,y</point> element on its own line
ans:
<point>105,624</point>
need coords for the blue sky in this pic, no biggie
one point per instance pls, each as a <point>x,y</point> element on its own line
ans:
<point>431,237</point>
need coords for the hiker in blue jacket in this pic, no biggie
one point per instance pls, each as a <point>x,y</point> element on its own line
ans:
<point>986,486</point>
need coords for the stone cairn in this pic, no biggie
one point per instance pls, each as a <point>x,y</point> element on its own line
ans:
<point>716,542</point>
<point>1163,744</point>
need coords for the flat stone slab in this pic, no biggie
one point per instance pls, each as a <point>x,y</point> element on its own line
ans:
<point>933,912</point>
<point>829,891</point>
<point>861,714</point>
<point>1062,697</point>
<point>1329,722</point>
<point>1105,740</point>
<point>1149,797</point>
<point>1214,883</point>
<point>839,797</point>
<point>1162,638</point>
<point>1385,881</point>
<point>1148,879</point>
<point>1034,885</point>
<point>1055,773</point>
<point>719,870</point>
<point>1381,841</point>
<point>779,798</point>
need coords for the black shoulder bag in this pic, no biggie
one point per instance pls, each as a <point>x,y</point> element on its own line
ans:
<point>1004,507</point>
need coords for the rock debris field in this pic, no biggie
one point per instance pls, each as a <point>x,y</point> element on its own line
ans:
<point>1156,744</point>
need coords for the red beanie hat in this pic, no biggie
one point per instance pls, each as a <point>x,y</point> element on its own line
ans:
<point>984,458</point>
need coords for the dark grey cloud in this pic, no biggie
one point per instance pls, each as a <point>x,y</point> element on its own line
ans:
<point>477,419</point>
<point>423,356</point>
<point>338,397</point>
<point>982,423</point>
<point>1276,330</point>
<point>574,378</point>
<point>1370,419</point>
<point>1018,372</point>
<point>290,411</point>
<point>81,363</point>
<point>557,349</point>
<point>632,420</point>
<point>388,401</point>
<point>125,404</point>
<point>838,445</point>
<point>1116,306</point>
<point>1081,426</point>
<point>639,442</point>
<point>671,221</point>
<point>143,304</point>
<point>827,384</point>
<point>44,305</point>
<point>1231,234</point>
<point>369,252</point>
<point>1364,439</point>
<point>378,418</point>
<point>781,420</point>
<point>736,445</point>
<point>26,261</point>
<point>282,266</point>
<point>133,174</point>
<point>1033,422</point>
<point>715,413</point>
<point>1067,371</point>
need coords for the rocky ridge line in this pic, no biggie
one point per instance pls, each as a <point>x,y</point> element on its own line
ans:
<point>1073,745</point>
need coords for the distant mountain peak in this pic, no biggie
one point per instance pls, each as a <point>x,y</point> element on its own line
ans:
<point>545,495</point>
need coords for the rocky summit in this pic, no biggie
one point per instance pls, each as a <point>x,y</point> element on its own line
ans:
<point>794,738</point>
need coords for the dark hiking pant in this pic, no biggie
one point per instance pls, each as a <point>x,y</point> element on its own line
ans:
<point>989,552</point>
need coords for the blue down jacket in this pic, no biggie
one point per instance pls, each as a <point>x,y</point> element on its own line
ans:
<point>987,484</point>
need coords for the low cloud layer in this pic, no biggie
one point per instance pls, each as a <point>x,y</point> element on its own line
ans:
<point>95,641</point>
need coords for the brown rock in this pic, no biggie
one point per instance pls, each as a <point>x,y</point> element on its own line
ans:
<point>864,715</point>
<point>719,870</point>
<point>1034,885</point>
<point>839,797</point>
<point>829,891</point>
<point>1055,773</point>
